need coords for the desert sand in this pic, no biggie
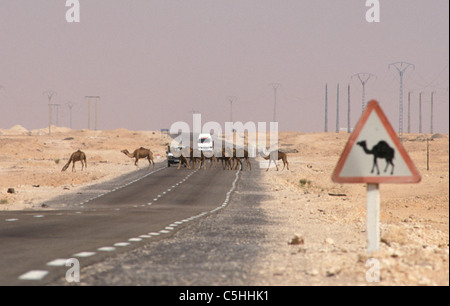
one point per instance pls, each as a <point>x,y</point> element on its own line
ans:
<point>328,218</point>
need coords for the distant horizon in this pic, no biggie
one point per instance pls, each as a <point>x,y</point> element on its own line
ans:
<point>45,130</point>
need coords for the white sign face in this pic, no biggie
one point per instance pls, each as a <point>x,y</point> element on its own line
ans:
<point>374,153</point>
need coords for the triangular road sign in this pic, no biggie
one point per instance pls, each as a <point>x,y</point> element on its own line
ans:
<point>374,154</point>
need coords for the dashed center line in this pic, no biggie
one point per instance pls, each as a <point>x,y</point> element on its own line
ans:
<point>34,275</point>
<point>40,274</point>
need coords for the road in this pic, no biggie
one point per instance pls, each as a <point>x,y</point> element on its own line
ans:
<point>107,219</point>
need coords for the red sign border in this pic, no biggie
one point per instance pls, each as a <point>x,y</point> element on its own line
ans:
<point>374,106</point>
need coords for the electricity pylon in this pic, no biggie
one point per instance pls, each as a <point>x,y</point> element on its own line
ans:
<point>50,93</point>
<point>275,86</point>
<point>363,78</point>
<point>401,68</point>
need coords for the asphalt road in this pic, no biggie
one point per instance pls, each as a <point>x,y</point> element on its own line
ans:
<point>106,219</point>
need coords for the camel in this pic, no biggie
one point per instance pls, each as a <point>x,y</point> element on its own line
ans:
<point>141,153</point>
<point>184,159</point>
<point>76,156</point>
<point>193,159</point>
<point>246,157</point>
<point>380,150</point>
<point>212,160</point>
<point>277,155</point>
<point>226,158</point>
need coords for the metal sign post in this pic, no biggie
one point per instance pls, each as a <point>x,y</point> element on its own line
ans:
<point>373,217</point>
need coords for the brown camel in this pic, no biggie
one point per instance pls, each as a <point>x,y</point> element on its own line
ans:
<point>76,156</point>
<point>141,153</point>
<point>226,158</point>
<point>203,158</point>
<point>245,156</point>
<point>277,155</point>
<point>184,159</point>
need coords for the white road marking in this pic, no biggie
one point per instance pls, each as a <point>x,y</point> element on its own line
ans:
<point>34,275</point>
<point>106,249</point>
<point>57,262</point>
<point>11,220</point>
<point>122,244</point>
<point>84,254</point>
<point>135,239</point>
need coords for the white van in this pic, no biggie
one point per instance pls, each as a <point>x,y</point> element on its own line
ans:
<point>205,142</point>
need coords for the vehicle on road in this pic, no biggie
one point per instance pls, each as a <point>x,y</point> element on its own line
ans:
<point>171,159</point>
<point>205,143</point>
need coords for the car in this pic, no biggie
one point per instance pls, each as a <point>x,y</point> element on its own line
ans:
<point>205,143</point>
<point>171,159</point>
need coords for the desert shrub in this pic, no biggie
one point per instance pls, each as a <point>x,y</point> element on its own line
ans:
<point>303,182</point>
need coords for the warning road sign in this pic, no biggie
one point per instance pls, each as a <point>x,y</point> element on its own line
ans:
<point>374,154</point>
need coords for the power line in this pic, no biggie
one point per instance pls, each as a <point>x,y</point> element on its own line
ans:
<point>275,86</point>
<point>348,109</point>
<point>70,105</point>
<point>326,107</point>
<point>420,112</point>
<point>409,112</point>
<point>231,99</point>
<point>401,68</point>
<point>337,109</point>
<point>431,111</point>
<point>89,110</point>
<point>363,78</point>
<point>49,93</point>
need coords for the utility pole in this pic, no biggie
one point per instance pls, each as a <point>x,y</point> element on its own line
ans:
<point>89,110</point>
<point>420,112</point>
<point>57,113</point>
<point>431,119</point>
<point>337,109</point>
<point>231,99</point>
<point>275,87</point>
<point>70,105</point>
<point>326,107</point>
<point>348,109</point>
<point>49,93</point>
<point>401,68</point>
<point>363,78</point>
<point>409,112</point>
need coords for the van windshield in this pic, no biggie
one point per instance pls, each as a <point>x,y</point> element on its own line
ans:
<point>205,140</point>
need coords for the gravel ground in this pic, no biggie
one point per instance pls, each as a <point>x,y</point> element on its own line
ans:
<point>271,234</point>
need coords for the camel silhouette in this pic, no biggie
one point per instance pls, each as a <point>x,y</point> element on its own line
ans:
<point>380,150</point>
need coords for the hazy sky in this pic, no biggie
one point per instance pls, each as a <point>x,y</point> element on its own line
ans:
<point>153,62</point>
